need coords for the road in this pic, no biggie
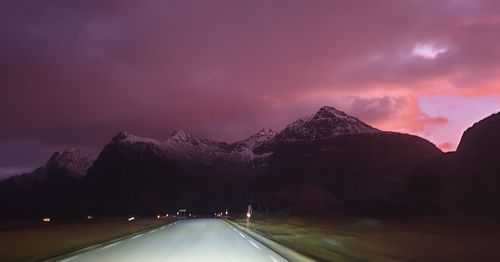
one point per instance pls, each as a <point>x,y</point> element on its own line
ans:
<point>185,240</point>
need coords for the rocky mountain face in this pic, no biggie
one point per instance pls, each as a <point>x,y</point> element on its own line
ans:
<point>327,123</point>
<point>54,188</point>
<point>360,169</point>
<point>329,157</point>
<point>465,181</point>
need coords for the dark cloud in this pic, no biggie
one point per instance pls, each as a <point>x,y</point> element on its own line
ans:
<point>73,73</point>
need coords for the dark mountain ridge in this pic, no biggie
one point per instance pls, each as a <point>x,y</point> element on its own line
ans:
<point>55,188</point>
<point>465,181</point>
<point>327,158</point>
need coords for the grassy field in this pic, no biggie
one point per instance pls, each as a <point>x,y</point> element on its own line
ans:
<point>34,241</point>
<point>365,239</point>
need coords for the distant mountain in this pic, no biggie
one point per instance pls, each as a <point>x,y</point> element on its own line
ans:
<point>465,181</point>
<point>329,157</point>
<point>327,123</point>
<point>67,164</point>
<point>54,188</point>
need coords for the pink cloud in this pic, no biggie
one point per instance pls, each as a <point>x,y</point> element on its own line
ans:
<point>402,114</point>
<point>76,72</point>
<point>447,147</point>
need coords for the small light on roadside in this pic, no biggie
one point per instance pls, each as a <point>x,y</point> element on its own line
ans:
<point>158,216</point>
<point>89,217</point>
<point>46,219</point>
<point>248,215</point>
<point>166,215</point>
<point>226,212</point>
<point>131,218</point>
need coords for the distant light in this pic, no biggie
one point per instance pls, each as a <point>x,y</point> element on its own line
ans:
<point>89,217</point>
<point>131,218</point>
<point>166,215</point>
<point>226,212</point>
<point>428,51</point>
<point>158,216</point>
<point>46,219</point>
<point>248,214</point>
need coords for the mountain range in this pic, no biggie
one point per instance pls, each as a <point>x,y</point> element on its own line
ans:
<point>329,158</point>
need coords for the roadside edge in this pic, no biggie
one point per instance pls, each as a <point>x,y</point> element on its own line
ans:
<point>62,257</point>
<point>281,250</point>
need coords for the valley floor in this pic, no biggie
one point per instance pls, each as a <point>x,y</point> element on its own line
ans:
<point>365,239</point>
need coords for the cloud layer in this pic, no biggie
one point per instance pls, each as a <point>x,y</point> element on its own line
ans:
<point>73,73</point>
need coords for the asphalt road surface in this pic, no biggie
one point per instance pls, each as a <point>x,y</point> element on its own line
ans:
<point>186,240</point>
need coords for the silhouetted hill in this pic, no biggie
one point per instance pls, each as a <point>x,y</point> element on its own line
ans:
<point>53,189</point>
<point>465,181</point>
<point>327,158</point>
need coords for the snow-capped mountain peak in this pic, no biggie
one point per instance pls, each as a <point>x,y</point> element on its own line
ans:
<point>328,122</point>
<point>330,112</point>
<point>71,160</point>
<point>266,133</point>
<point>263,136</point>
<point>181,136</point>
<point>124,137</point>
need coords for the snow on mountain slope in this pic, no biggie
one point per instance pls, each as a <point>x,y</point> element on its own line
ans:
<point>124,137</point>
<point>246,147</point>
<point>182,144</point>
<point>328,122</point>
<point>71,160</point>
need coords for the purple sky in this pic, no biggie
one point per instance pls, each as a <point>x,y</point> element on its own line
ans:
<point>74,73</point>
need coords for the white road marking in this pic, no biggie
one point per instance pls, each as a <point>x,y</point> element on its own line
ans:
<point>69,259</point>
<point>133,250</point>
<point>152,231</point>
<point>255,245</point>
<point>108,246</point>
<point>137,236</point>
